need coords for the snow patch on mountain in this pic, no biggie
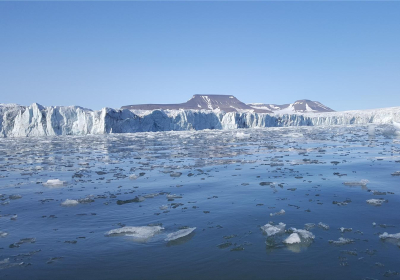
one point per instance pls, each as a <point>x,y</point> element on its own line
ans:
<point>299,106</point>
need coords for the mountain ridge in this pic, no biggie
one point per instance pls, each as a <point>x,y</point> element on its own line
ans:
<point>229,103</point>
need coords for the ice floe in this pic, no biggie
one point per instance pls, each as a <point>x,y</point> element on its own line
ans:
<point>133,177</point>
<point>304,234</point>
<point>242,135</point>
<point>141,232</point>
<point>362,183</point>
<point>341,241</point>
<point>386,235</point>
<point>323,226</point>
<point>281,212</point>
<point>271,230</point>
<point>179,234</point>
<point>54,183</point>
<point>343,229</point>
<point>376,201</point>
<point>292,239</point>
<point>69,202</point>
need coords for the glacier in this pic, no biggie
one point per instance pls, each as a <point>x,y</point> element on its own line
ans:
<point>37,120</point>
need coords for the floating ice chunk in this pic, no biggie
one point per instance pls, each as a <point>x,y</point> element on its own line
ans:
<point>242,135</point>
<point>179,234</point>
<point>3,234</point>
<point>54,183</point>
<point>343,229</point>
<point>292,239</point>
<point>88,199</point>
<point>378,192</point>
<point>386,235</point>
<point>305,234</point>
<point>376,201</point>
<point>163,207</point>
<point>282,212</point>
<point>271,230</point>
<point>15,196</point>
<point>22,241</point>
<point>175,174</point>
<point>324,226</point>
<point>143,232</point>
<point>136,199</point>
<point>69,202</point>
<point>150,195</point>
<point>133,177</point>
<point>362,183</point>
<point>173,196</point>
<point>341,241</point>
<point>309,226</point>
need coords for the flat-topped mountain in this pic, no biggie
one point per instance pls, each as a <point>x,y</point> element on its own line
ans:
<point>300,106</point>
<point>227,103</point>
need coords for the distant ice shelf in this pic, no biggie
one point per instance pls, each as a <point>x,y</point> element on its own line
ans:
<point>36,120</point>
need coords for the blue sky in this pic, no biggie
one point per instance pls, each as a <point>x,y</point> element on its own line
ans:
<point>97,54</point>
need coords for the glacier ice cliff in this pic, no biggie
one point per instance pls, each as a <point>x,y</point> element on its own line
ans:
<point>36,120</point>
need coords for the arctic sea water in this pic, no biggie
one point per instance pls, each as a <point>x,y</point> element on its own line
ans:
<point>275,203</point>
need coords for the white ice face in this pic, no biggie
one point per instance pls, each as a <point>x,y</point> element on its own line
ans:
<point>36,120</point>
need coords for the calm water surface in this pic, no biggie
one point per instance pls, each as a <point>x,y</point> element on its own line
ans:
<point>227,184</point>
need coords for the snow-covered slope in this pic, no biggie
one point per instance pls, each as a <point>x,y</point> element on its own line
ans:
<point>36,120</point>
<point>300,106</point>
<point>226,103</point>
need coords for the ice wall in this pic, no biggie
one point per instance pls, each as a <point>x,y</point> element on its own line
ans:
<point>36,120</point>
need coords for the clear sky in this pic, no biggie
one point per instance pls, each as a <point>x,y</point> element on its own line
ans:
<point>97,54</point>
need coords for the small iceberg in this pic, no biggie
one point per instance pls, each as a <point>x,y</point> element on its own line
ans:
<point>15,196</point>
<point>302,234</point>
<point>242,135</point>
<point>143,232</point>
<point>386,235</point>
<point>341,241</point>
<point>179,234</point>
<point>361,183</point>
<point>376,201</point>
<point>343,229</point>
<point>271,230</point>
<point>69,202</point>
<point>54,183</point>
<point>173,196</point>
<point>175,174</point>
<point>133,177</point>
<point>324,226</point>
<point>308,226</point>
<point>163,207</point>
<point>282,212</point>
<point>298,240</point>
<point>292,239</point>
